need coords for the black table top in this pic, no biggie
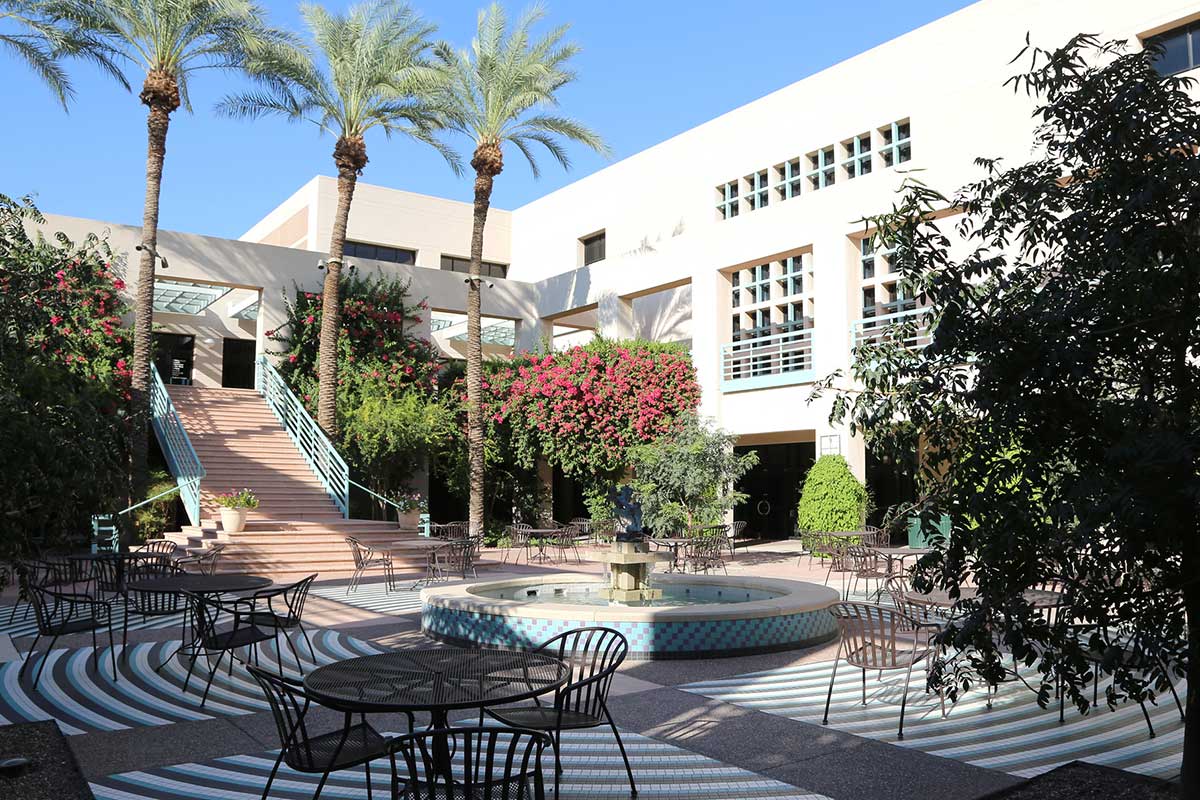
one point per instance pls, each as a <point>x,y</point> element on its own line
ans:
<point>202,584</point>
<point>442,679</point>
<point>105,555</point>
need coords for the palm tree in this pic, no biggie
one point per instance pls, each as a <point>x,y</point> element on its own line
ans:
<point>498,93</point>
<point>47,31</point>
<point>375,75</point>
<point>168,40</point>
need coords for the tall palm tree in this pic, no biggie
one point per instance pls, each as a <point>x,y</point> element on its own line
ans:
<point>499,92</point>
<point>375,74</point>
<point>43,32</point>
<point>168,41</point>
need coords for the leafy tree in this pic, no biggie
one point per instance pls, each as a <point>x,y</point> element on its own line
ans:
<point>64,383</point>
<point>1062,376</point>
<point>170,40</point>
<point>686,477</point>
<point>369,72</point>
<point>832,498</point>
<point>47,31</point>
<point>496,93</point>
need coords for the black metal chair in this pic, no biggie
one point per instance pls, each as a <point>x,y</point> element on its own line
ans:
<point>497,764</point>
<point>161,547</point>
<point>449,531</point>
<point>366,558</point>
<point>150,603</point>
<point>284,612</point>
<point>868,566</point>
<point>592,656</point>
<point>703,552</point>
<point>565,540</point>
<point>204,562</point>
<point>452,559</point>
<point>355,744</point>
<point>63,613</point>
<point>46,573</point>
<point>209,616</point>
<point>519,539</point>
<point>734,533</point>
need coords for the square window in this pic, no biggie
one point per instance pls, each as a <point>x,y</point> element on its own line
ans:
<point>788,179</point>
<point>857,160</point>
<point>593,248</point>
<point>897,143</point>
<point>757,193</point>
<point>727,200</point>
<point>822,168</point>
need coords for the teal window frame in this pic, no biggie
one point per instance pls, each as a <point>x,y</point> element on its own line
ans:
<point>858,156</point>
<point>822,168</point>
<point>867,257</point>
<point>735,297</point>
<point>897,144</point>
<point>758,193</point>
<point>790,179</point>
<point>759,284</point>
<point>791,276</point>
<point>728,205</point>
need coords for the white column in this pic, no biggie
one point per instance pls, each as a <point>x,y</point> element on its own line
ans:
<point>533,335</point>
<point>615,317</point>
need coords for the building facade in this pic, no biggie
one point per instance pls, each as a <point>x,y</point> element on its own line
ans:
<point>743,237</point>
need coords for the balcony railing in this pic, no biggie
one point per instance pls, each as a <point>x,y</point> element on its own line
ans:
<point>776,359</point>
<point>912,325</point>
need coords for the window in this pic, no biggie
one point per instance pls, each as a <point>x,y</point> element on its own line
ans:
<point>897,143</point>
<point>727,200</point>
<point>858,156</point>
<point>759,284</point>
<point>761,320</point>
<point>822,170</point>
<point>791,277</point>
<point>867,258</point>
<point>593,248</point>
<point>736,282</point>
<point>757,194</point>
<point>789,177</point>
<point>488,269</point>
<point>868,301</point>
<point>1180,49</point>
<point>379,252</point>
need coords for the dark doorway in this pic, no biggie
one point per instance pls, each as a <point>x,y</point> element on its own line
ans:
<point>173,357</point>
<point>237,364</point>
<point>774,487</point>
<point>568,497</point>
<point>891,483</point>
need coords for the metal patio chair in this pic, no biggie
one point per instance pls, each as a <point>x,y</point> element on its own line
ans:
<point>837,550</point>
<point>736,529</point>
<point>565,540</point>
<point>282,610</point>
<point>518,541</point>
<point>147,604</point>
<point>452,559</point>
<point>45,573</point>
<point>204,562</point>
<point>64,613</point>
<point>366,558</point>
<point>875,637</point>
<point>592,656</point>
<point>497,764</point>
<point>353,745</point>
<point>210,615</point>
<point>161,547</point>
<point>868,566</point>
<point>704,552</point>
<point>449,530</point>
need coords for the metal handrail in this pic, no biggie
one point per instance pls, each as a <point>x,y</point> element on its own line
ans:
<point>424,517</point>
<point>104,526</point>
<point>181,457</point>
<point>871,329</point>
<point>789,351</point>
<point>314,445</point>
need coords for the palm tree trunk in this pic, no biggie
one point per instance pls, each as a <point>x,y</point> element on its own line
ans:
<point>475,432</point>
<point>350,155</point>
<point>161,94</point>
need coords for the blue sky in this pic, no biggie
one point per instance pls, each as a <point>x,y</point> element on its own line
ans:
<point>649,70</point>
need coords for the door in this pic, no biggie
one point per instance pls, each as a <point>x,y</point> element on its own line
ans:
<point>773,486</point>
<point>237,364</point>
<point>174,354</point>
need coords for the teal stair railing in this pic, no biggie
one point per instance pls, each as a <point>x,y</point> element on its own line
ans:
<point>106,528</point>
<point>314,445</point>
<point>177,448</point>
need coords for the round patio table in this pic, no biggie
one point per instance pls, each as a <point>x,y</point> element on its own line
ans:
<point>675,544</point>
<point>894,554</point>
<point>122,560</point>
<point>540,538</point>
<point>438,680</point>
<point>1039,598</point>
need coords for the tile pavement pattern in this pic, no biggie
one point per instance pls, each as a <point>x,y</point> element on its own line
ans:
<point>23,624</point>
<point>645,638</point>
<point>593,770</point>
<point>84,698</point>
<point>373,597</point>
<point>1014,736</point>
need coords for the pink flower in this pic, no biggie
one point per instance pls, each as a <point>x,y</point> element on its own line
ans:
<point>292,359</point>
<point>310,319</point>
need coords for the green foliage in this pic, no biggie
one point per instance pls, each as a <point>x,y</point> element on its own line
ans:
<point>152,519</point>
<point>242,498</point>
<point>1067,325</point>
<point>64,382</point>
<point>389,413</point>
<point>832,498</point>
<point>686,476</point>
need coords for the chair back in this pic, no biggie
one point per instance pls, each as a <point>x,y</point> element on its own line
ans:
<point>704,551</point>
<point>518,534</point>
<point>874,636</point>
<point>154,603</point>
<point>287,602</point>
<point>737,529</point>
<point>362,553</point>
<point>497,764</point>
<point>163,547</point>
<point>289,706</point>
<point>454,556</point>
<point>875,536</point>
<point>837,548</point>
<point>449,530</point>
<point>592,656</point>
<point>209,612</point>
<point>865,561</point>
<point>207,562</point>
<point>900,589</point>
<point>50,608</point>
<point>109,575</point>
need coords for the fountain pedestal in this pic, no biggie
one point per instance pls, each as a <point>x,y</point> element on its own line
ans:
<point>629,565</point>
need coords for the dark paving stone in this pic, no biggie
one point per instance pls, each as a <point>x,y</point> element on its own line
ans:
<point>143,748</point>
<point>53,773</point>
<point>676,672</point>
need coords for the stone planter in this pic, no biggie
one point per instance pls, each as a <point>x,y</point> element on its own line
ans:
<point>233,520</point>
<point>410,519</point>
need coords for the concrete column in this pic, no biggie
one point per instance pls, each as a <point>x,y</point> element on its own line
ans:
<point>615,316</point>
<point>533,335</point>
<point>710,329</point>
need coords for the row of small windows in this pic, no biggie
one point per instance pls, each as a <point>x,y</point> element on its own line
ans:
<point>1180,49</point>
<point>754,284</point>
<point>887,298</point>
<point>402,255</point>
<point>853,158</point>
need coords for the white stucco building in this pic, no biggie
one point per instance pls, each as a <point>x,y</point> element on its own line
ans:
<point>741,237</point>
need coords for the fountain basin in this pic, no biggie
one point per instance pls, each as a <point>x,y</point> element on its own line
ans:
<point>739,615</point>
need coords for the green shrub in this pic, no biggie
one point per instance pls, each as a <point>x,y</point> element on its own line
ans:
<point>153,519</point>
<point>832,498</point>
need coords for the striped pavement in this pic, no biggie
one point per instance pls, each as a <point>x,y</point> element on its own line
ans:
<point>83,699</point>
<point>1014,736</point>
<point>23,623</point>
<point>373,597</point>
<point>593,770</point>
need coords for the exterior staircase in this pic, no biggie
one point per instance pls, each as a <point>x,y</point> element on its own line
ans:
<point>297,528</point>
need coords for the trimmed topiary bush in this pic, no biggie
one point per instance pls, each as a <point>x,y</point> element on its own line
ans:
<point>832,498</point>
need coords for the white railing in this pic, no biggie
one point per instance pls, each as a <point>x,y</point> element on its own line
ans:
<point>912,328</point>
<point>314,445</point>
<point>777,354</point>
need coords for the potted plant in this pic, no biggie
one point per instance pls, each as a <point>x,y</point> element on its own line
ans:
<point>410,506</point>
<point>234,507</point>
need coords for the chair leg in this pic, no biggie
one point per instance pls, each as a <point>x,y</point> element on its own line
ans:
<point>46,657</point>
<point>292,647</point>
<point>95,664</point>
<point>621,746</point>
<point>212,674</point>
<point>303,632</point>
<point>832,678</point>
<point>864,686</point>
<point>271,778</point>
<point>29,655</point>
<point>112,649</point>
<point>904,699</point>
<point>367,769</point>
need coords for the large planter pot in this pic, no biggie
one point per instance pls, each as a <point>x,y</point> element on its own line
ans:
<point>410,519</point>
<point>233,520</point>
<point>916,536</point>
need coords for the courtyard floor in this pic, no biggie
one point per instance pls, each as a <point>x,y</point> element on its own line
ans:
<point>745,727</point>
